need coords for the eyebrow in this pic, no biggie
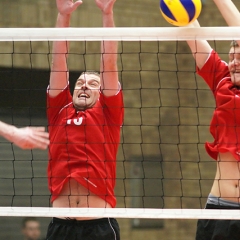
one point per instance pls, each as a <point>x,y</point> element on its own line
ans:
<point>81,80</point>
<point>234,53</point>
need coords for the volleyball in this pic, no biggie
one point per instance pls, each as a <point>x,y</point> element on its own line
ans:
<point>180,12</point>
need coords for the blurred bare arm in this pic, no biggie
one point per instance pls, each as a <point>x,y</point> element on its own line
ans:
<point>26,137</point>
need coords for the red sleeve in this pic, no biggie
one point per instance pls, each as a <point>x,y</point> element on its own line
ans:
<point>55,104</point>
<point>214,70</point>
<point>113,107</point>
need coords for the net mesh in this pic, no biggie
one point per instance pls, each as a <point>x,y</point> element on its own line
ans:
<point>162,167</point>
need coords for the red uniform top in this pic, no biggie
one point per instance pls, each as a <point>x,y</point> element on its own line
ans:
<point>84,144</point>
<point>225,124</point>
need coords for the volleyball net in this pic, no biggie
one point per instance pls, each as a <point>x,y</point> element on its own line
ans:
<point>163,170</point>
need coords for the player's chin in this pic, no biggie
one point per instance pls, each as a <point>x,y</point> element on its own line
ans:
<point>237,82</point>
<point>80,106</point>
<point>236,79</point>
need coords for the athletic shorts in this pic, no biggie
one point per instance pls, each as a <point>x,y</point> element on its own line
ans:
<point>212,229</point>
<point>96,229</point>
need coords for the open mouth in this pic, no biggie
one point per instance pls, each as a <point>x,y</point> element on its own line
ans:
<point>83,95</point>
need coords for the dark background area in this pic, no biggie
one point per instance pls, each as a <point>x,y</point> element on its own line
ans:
<point>25,89</point>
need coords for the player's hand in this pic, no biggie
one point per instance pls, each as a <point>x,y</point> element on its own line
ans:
<point>67,6</point>
<point>105,5</point>
<point>30,137</point>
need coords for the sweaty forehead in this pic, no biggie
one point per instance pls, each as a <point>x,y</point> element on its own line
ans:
<point>88,77</point>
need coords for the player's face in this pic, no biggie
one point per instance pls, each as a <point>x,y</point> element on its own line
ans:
<point>32,230</point>
<point>234,65</point>
<point>86,91</point>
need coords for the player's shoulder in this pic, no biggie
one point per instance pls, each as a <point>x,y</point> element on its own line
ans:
<point>225,82</point>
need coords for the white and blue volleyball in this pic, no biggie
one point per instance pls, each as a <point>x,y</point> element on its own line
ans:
<point>180,12</point>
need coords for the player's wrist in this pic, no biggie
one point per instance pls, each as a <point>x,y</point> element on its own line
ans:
<point>108,13</point>
<point>63,20</point>
<point>10,134</point>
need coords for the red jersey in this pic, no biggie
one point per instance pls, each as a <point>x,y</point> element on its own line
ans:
<point>225,124</point>
<point>84,144</point>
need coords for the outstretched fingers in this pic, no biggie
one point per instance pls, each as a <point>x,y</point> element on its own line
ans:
<point>39,138</point>
<point>66,7</point>
<point>31,137</point>
<point>105,5</point>
<point>76,4</point>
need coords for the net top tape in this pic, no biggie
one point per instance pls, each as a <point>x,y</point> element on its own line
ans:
<point>120,34</point>
<point>146,213</point>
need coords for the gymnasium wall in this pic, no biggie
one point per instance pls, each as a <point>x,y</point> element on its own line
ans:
<point>40,14</point>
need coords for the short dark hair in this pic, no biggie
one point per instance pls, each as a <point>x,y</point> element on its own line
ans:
<point>234,44</point>
<point>28,219</point>
<point>91,72</point>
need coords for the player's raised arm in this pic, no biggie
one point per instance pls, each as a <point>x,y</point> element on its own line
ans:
<point>179,14</point>
<point>26,137</point>
<point>200,48</point>
<point>108,66</point>
<point>59,70</point>
<point>229,12</point>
